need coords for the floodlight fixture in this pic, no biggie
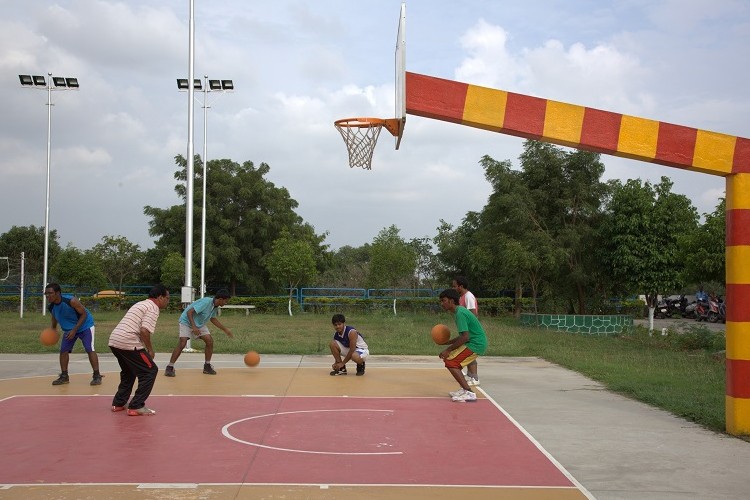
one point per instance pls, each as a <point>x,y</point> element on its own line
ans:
<point>227,85</point>
<point>72,83</point>
<point>214,84</point>
<point>182,84</point>
<point>58,81</point>
<point>39,81</point>
<point>26,80</point>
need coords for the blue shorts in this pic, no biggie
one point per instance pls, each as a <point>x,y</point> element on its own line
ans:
<point>87,339</point>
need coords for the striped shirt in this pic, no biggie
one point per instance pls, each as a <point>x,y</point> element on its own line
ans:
<point>126,334</point>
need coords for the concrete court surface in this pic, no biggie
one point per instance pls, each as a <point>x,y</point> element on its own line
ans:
<point>615,447</point>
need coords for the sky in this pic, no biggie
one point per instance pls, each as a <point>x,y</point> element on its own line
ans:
<point>297,66</point>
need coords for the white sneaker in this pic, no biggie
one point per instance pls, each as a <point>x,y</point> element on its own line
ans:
<point>453,394</point>
<point>472,381</point>
<point>466,397</point>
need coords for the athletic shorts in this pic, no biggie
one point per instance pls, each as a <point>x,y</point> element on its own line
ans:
<point>363,353</point>
<point>87,339</point>
<point>460,357</point>
<point>186,331</point>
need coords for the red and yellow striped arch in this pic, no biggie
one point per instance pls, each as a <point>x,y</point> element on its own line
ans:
<point>631,137</point>
<point>577,126</point>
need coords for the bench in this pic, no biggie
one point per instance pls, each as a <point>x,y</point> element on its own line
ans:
<point>245,307</point>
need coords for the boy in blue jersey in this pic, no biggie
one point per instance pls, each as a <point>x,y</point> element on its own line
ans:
<point>350,344</point>
<point>193,326</point>
<point>464,349</point>
<point>76,322</point>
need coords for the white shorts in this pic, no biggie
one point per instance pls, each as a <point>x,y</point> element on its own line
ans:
<point>186,331</point>
<point>363,353</point>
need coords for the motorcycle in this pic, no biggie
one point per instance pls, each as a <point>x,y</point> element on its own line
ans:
<point>707,310</point>
<point>701,310</point>
<point>670,307</point>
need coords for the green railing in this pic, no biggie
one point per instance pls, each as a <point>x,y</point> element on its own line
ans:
<point>595,324</point>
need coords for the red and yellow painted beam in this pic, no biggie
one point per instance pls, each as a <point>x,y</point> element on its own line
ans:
<point>630,137</point>
<point>577,126</point>
<point>738,304</point>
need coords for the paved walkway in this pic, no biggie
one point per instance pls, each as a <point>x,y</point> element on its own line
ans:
<point>615,447</point>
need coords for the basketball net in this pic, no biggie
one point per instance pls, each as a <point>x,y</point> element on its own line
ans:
<point>361,135</point>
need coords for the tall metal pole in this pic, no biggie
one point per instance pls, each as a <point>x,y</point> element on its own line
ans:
<point>46,207</point>
<point>187,289</point>
<point>205,172</point>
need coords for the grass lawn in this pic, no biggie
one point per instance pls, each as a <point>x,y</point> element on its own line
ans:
<point>678,373</point>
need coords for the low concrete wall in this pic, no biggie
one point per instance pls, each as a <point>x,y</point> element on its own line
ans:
<point>595,324</point>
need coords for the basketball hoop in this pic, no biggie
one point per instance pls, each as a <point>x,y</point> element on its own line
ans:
<point>361,135</point>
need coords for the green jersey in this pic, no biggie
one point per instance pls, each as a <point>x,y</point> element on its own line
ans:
<point>467,322</point>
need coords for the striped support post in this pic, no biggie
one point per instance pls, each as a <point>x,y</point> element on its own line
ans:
<point>638,139</point>
<point>738,304</point>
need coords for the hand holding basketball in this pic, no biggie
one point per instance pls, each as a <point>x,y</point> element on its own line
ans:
<point>252,358</point>
<point>440,334</point>
<point>49,336</point>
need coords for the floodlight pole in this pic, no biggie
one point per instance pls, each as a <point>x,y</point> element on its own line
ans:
<point>205,172</point>
<point>59,83</point>
<point>187,289</point>
<point>46,206</point>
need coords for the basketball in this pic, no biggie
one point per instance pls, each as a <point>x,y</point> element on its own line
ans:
<point>252,358</point>
<point>49,336</point>
<point>440,334</point>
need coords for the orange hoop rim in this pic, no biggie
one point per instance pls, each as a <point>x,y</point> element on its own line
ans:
<point>393,125</point>
<point>359,122</point>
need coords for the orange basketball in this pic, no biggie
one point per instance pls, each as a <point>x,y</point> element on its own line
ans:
<point>49,336</point>
<point>440,334</point>
<point>252,358</point>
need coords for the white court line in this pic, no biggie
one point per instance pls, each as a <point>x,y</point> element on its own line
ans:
<point>227,434</point>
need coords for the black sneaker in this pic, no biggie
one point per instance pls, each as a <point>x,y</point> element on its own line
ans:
<point>169,372</point>
<point>360,368</point>
<point>96,380</point>
<point>208,369</point>
<point>340,371</point>
<point>62,379</point>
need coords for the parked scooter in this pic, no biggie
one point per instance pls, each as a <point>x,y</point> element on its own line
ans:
<point>707,310</point>
<point>701,310</point>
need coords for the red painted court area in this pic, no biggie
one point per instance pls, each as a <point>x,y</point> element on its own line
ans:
<point>268,440</point>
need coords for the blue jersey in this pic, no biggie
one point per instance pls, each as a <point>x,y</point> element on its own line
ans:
<point>203,310</point>
<point>344,337</point>
<point>67,316</point>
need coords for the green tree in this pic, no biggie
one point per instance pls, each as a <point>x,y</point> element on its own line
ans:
<point>704,249</point>
<point>30,241</point>
<point>173,271</point>
<point>348,267</point>
<point>452,256</point>
<point>119,259</point>
<point>245,213</point>
<point>565,192</point>
<point>639,237</point>
<point>393,261</point>
<point>77,268</point>
<point>291,262</point>
<point>427,269</point>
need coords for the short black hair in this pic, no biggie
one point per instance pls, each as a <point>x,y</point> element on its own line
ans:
<point>338,318</point>
<point>54,286</point>
<point>157,291</point>
<point>222,294</point>
<point>451,293</point>
<point>462,281</point>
